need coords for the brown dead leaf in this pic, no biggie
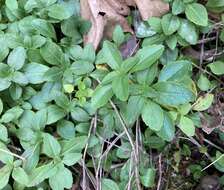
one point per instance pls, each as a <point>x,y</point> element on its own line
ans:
<point>106,14</point>
<point>129,47</point>
<point>101,13</point>
<point>213,119</point>
<point>150,8</point>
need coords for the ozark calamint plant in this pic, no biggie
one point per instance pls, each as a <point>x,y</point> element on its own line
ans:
<point>60,104</point>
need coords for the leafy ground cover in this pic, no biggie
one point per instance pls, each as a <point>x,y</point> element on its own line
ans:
<point>137,108</point>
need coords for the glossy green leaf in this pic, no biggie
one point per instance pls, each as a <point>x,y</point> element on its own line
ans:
<point>118,35</point>
<point>11,4</point>
<point>66,129</point>
<point>51,146</point>
<point>52,53</point>
<point>174,70</point>
<point>203,83</point>
<point>20,176</point>
<point>108,184</point>
<point>197,14</point>
<point>148,178</point>
<point>217,67</point>
<point>112,55</point>
<point>152,115</point>
<point>74,145</point>
<point>187,126</point>
<point>173,94</point>
<point>188,32</point>
<point>5,172</point>
<point>71,158</point>
<point>170,24</point>
<point>167,131</point>
<point>62,179</point>
<point>178,7</point>
<point>35,72</point>
<point>101,95</point>
<point>44,28</point>
<point>41,173</point>
<point>203,102</point>
<point>3,133</point>
<point>147,56</point>
<point>16,58</point>
<point>120,86</point>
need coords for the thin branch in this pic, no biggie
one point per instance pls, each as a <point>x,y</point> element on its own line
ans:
<point>84,156</point>
<point>160,172</point>
<point>12,154</point>
<point>213,162</point>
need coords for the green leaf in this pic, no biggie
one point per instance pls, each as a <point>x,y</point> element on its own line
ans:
<point>20,78</point>
<point>38,41</point>
<point>52,53</point>
<point>197,14</point>
<point>53,74</point>
<point>215,3</point>
<point>88,53</point>
<point>120,86</point>
<point>4,84</point>
<point>174,70</point>
<point>203,83</point>
<point>148,178</point>
<point>20,176</point>
<point>35,72</point>
<point>5,154</point>
<point>16,58</point>
<point>148,55</point>
<point>167,131</point>
<point>178,7</point>
<point>147,76</point>
<point>82,67</point>
<point>1,106</point>
<point>41,173</point>
<point>51,146</point>
<point>217,67</point>
<point>5,172</point>
<point>124,151</point>
<point>40,119</point>
<point>108,184</point>
<point>112,55</point>
<point>152,115</point>
<point>32,158</point>
<point>62,179</point>
<point>44,28</point>
<point>66,129</point>
<point>155,24</point>
<point>54,113</point>
<point>11,114</point>
<point>203,102</point>
<point>79,114</point>
<point>134,108</point>
<point>62,101</point>
<point>172,94</point>
<point>71,159</point>
<point>101,96</point>
<point>11,4</point>
<point>15,91</point>
<point>4,51</point>
<point>3,133</point>
<point>187,126</point>
<point>170,24</point>
<point>74,145</point>
<point>118,35</point>
<point>188,32</point>
<point>172,42</point>
<point>59,11</point>
<point>128,64</point>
